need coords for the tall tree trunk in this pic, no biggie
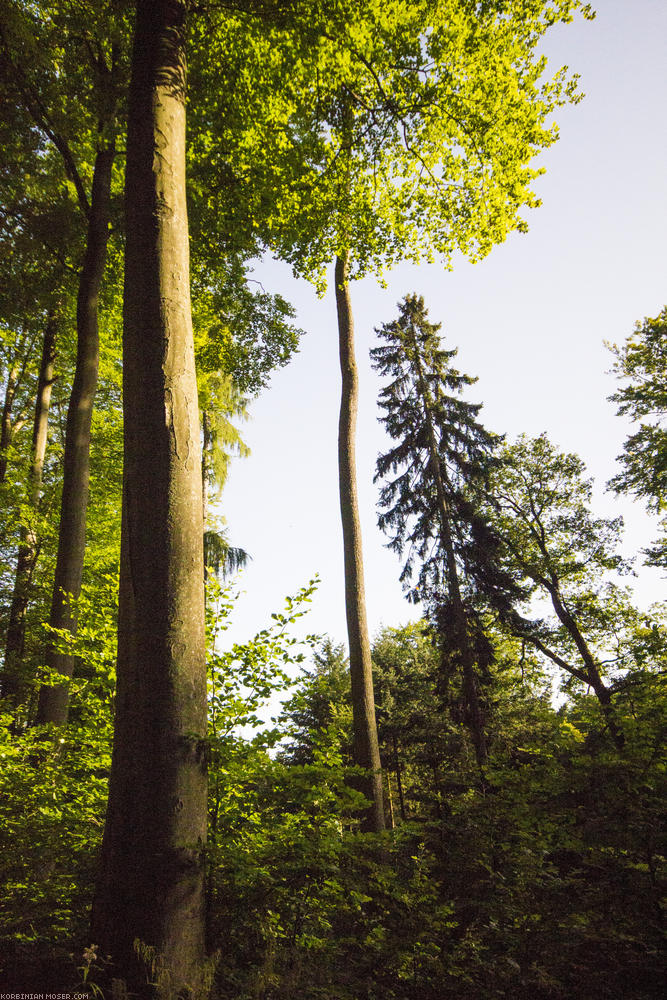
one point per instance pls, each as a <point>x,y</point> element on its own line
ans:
<point>13,679</point>
<point>399,780</point>
<point>6,419</point>
<point>205,471</point>
<point>390,801</point>
<point>53,701</point>
<point>365,748</point>
<point>460,623</point>
<point>151,887</point>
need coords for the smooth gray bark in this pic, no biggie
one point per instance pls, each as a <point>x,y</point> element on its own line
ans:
<point>151,887</point>
<point>365,747</point>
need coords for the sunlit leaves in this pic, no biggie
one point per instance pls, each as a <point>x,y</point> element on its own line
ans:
<point>394,132</point>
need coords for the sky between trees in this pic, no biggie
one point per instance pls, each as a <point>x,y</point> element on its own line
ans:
<point>530,320</point>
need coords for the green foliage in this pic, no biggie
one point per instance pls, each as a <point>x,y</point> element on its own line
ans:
<point>440,460</point>
<point>562,554</point>
<point>240,333</point>
<point>641,367</point>
<point>392,132</point>
<point>542,884</point>
<point>320,707</point>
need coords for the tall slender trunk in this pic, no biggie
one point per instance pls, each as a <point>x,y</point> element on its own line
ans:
<point>460,622</point>
<point>11,422</point>
<point>390,801</point>
<point>151,886</point>
<point>365,747</point>
<point>13,677</point>
<point>206,441</point>
<point>6,418</point>
<point>399,779</point>
<point>53,701</point>
<point>205,470</point>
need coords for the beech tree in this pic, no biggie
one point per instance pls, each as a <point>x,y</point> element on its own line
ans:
<point>151,888</point>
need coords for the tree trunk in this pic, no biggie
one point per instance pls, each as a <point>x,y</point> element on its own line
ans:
<point>365,747</point>
<point>6,419</point>
<point>53,701</point>
<point>390,801</point>
<point>460,622</point>
<point>592,671</point>
<point>151,887</point>
<point>13,679</point>
<point>206,441</point>
<point>399,780</point>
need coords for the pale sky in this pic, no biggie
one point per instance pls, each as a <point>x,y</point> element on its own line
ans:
<point>529,321</point>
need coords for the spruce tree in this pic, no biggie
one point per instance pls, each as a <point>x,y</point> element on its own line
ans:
<point>432,476</point>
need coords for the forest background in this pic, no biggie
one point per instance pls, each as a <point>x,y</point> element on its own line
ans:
<point>483,839</point>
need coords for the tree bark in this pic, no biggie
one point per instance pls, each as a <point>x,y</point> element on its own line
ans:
<point>206,441</point>
<point>151,886</point>
<point>592,671</point>
<point>399,780</point>
<point>365,746</point>
<point>9,423</point>
<point>53,700</point>
<point>13,679</point>
<point>390,802</point>
<point>6,419</point>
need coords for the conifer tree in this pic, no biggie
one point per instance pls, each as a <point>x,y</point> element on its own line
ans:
<point>431,476</point>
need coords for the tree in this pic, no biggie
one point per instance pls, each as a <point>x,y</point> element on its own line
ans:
<point>13,680</point>
<point>441,459</point>
<point>418,142</point>
<point>70,88</point>
<point>151,887</point>
<point>39,247</point>
<point>240,338</point>
<point>641,367</point>
<point>322,700</point>
<point>561,552</point>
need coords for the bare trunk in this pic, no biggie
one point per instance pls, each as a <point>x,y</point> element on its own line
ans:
<point>151,887</point>
<point>365,748</point>
<point>206,441</point>
<point>399,780</point>
<point>53,701</point>
<point>6,419</point>
<point>13,678</point>
<point>390,801</point>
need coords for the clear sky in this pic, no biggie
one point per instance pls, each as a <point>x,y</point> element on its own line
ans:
<point>529,321</point>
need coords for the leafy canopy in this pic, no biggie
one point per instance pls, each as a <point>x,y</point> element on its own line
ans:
<point>390,130</point>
